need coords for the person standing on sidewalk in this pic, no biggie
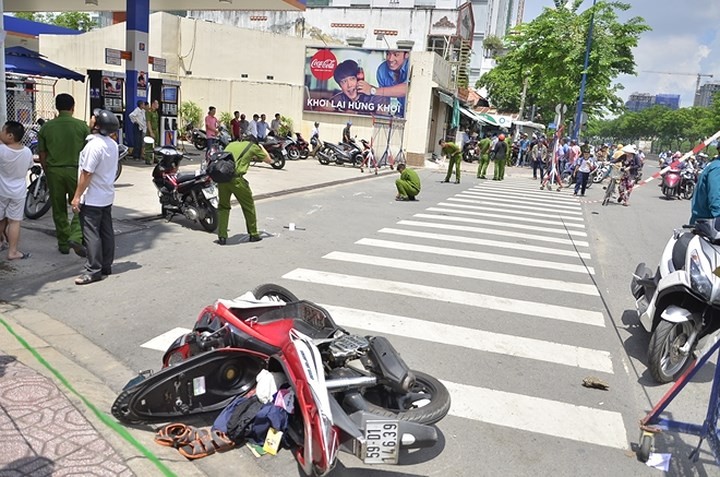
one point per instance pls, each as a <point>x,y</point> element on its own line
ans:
<point>243,153</point>
<point>235,126</point>
<point>212,126</point>
<point>315,139</point>
<point>152,119</point>
<point>94,196</point>
<point>275,125</point>
<point>538,156</point>
<point>454,156</point>
<point>137,118</point>
<point>408,186</point>
<point>499,156</point>
<point>15,160</point>
<point>484,149</point>
<point>60,141</point>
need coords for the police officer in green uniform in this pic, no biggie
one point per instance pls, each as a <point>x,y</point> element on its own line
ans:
<point>243,152</point>
<point>484,147</point>
<point>152,119</point>
<point>408,186</point>
<point>454,155</point>
<point>60,141</point>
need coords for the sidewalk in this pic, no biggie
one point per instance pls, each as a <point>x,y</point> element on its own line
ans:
<point>56,420</point>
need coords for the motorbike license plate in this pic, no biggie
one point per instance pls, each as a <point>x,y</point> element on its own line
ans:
<point>210,192</point>
<point>381,442</point>
<point>284,152</point>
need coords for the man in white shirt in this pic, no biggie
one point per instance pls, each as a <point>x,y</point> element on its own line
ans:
<point>253,126</point>
<point>275,125</point>
<point>137,117</point>
<point>15,160</point>
<point>95,194</point>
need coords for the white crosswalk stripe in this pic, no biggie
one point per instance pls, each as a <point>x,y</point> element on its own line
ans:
<point>522,247</point>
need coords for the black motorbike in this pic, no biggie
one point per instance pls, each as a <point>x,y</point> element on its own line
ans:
<point>190,194</point>
<point>470,151</point>
<point>340,154</point>
<point>197,136</point>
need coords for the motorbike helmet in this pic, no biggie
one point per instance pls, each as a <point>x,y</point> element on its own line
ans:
<point>677,155</point>
<point>106,122</point>
<point>317,124</point>
<point>501,137</point>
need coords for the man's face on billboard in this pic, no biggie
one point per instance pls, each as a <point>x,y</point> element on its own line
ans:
<point>348,85</point>
<point>395,59</point>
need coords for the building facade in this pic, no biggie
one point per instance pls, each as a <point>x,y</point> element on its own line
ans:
<point>492,18</point>
<point>639,101</point>
<point>705,94</point>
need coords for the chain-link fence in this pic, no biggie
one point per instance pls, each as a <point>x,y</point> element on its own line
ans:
<point>30,98</point>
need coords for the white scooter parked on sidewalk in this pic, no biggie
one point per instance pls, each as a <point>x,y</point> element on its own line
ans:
<point>680,303</point>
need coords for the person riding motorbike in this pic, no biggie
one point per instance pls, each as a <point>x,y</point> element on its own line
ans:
<point>631,164</point>
<point>706,201</point>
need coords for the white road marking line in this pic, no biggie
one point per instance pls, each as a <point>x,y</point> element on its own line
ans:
<point>514,205</point>
<point>488,243</point>
<point>528,193</point>
<point>451,270</point>
<point>533,228</point>
<point>163,341</point>
<point>502,233</point>
<point>504,216</point>
<point>510,213</point>
<point>510,305</point>
<point>510,345</point>
<point>534,414</point>
<point>514,200</point>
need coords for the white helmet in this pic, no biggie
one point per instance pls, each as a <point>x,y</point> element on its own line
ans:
<point>629,149</point>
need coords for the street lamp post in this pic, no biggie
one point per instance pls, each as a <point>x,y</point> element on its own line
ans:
<point>583,82</point>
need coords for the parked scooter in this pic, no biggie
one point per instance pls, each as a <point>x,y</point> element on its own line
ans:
<point>340,153</point>
<point>470,151</point>
<point>351,392</point>
<point>190,194</point>
<point>302,145</point>
<point>680,303</point>
<point>276,147</point>
<point>197,137</point>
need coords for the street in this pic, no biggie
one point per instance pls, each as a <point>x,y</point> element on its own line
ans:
<point>509,295</point>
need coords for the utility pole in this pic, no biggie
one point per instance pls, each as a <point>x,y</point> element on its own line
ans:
<point>583,82</point>
<point>522,98</point>
<point>3,84</point>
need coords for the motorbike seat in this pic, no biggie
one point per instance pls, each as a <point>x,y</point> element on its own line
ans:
<point>679,250</point>
<point>186,177</point>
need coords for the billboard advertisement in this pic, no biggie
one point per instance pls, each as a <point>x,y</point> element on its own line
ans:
<point>356,81</point>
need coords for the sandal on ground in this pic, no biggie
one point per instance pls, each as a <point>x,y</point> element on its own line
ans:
<point>176,435</point>
<point>86,279</point>
<point>207,443</point>
<point>23,256</point>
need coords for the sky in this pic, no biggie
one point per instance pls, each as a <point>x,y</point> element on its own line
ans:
<point>685,38</point>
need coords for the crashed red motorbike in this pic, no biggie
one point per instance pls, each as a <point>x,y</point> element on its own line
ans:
<point>354,393</point>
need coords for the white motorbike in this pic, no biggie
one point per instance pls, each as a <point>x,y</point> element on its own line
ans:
<point>680,303</point>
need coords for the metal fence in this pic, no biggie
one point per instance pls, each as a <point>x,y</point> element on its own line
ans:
<point>387,140</point>
<point>30,98</point>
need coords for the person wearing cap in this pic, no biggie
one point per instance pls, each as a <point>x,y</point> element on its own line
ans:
<point>499,156</point>
<point>60,141</point>
<point>350,98</point>
<point>454,155</point>
<point>631,165</point>
<point>706,200</point>
<point>408,185</point>
<point>95,194</point>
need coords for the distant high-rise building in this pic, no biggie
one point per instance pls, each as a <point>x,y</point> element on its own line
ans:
<point>706,93</point>
<point>639,101</point>
<point>672,101</point>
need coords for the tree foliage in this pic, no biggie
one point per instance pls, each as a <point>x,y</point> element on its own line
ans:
<point>550,52</point>
<point>667,128</point>
<point>73,20</point>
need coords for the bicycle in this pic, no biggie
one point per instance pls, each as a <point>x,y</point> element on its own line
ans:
<point>612,185</point>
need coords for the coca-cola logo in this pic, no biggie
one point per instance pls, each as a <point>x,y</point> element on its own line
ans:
<point>322,65</point>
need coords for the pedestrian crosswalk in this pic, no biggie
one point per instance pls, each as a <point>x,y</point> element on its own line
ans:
<point>512,263</point>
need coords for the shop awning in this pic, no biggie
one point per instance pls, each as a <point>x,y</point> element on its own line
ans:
<point>487,119</point>
<point>447,99</point>
<point>469,114</point>
<point>28,62</point>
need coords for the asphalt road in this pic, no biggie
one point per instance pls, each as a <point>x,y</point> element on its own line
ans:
<point>509,295</point>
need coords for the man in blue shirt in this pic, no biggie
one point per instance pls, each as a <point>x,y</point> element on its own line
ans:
<point>392,77</point>
<point>706,200</point>
<point>524,147</point>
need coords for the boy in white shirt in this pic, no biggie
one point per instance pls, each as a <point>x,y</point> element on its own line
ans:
<point>15,160</point>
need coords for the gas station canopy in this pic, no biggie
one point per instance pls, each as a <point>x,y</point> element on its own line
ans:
<point>155,5</point>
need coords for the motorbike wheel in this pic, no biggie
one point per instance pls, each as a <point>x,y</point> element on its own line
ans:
<point>278,162</point>
<point>597,176</point>
<point>119,171</point>
<point>200,144</point>
<point>669,195</point>
<point>664,360</point>
<point>427,402</point>
<point>566,179</point>
<point>37,205</point>
<point>210,221</point>
<point>274,293</point>
<point>304,153</point>
<point>609,192</point>
<point>688,190</point>
<point>324,157</point>
<point>293,153</point>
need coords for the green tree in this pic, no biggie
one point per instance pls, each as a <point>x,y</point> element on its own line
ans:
<point>73,20</point>
<point>549,51</point>
<point>190,114</point>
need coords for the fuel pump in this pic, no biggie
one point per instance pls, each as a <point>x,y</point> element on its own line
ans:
<point>107,92</point>
<point>167,93</point>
